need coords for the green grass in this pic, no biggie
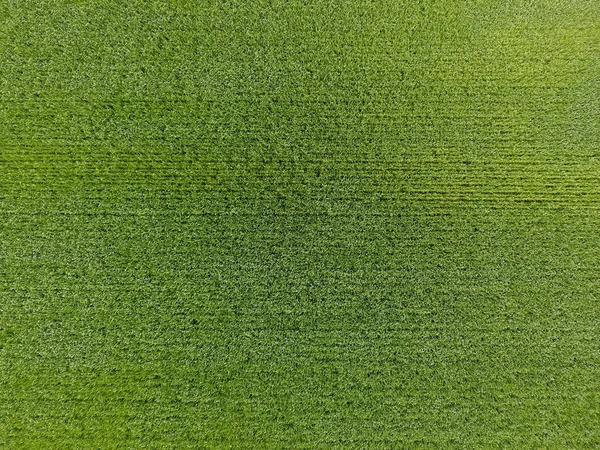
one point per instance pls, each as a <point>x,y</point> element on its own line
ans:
<point>299,224</point>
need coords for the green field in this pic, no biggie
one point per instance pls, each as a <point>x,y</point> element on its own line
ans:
<point>299,224</point>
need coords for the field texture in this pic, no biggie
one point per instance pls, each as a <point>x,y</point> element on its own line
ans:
<point>299,224</point>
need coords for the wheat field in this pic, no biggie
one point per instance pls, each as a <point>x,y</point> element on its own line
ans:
<point>299,224</point>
